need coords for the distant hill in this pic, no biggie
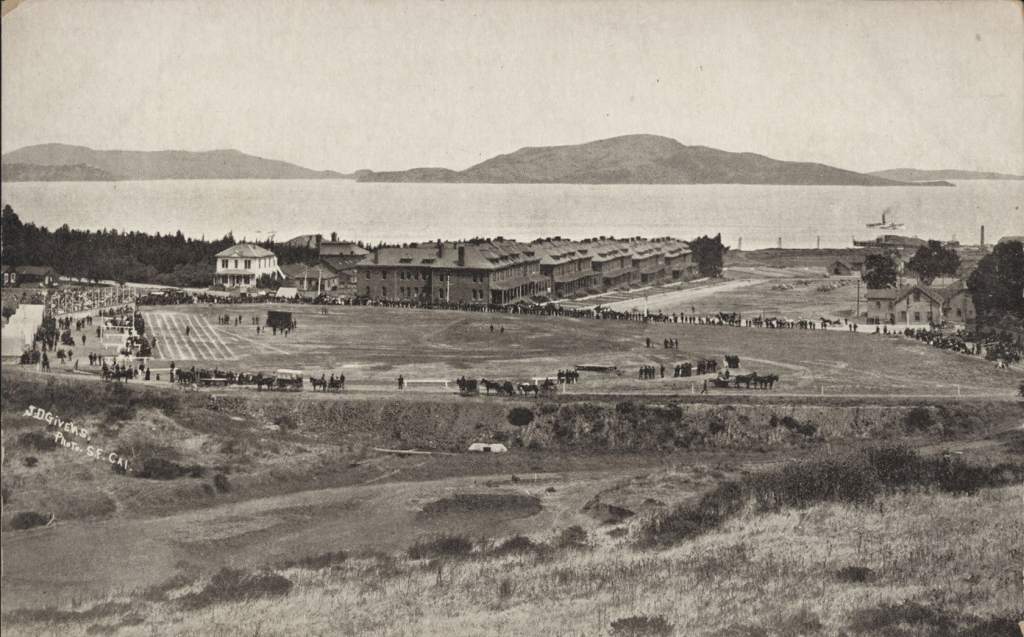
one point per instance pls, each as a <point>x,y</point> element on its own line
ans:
<point>913,174</point>
<point>636,159</point>
<point>131,164</point>
<point>72,172</point>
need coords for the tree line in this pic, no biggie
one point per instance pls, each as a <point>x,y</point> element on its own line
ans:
<point>171,259</point>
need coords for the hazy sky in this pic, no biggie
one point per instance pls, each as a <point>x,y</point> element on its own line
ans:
<point>390,85</point>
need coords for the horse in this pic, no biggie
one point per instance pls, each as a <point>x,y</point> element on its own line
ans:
<point>262,380</point>
<point>767,382</point>
<point>526,388</point>
<point>490,384</point>
<point>336,383</point>
<point>746,379</point>
<point>318,383</point>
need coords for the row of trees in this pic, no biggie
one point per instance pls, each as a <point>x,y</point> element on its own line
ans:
<point>928,263</point>
<point>124,256</point>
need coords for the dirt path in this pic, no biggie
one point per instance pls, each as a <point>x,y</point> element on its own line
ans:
<point>675,299</point>
<point>50,566</point>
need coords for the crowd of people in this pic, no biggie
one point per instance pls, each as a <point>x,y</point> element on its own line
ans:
<point>69,299</point>
<point>994,347</point>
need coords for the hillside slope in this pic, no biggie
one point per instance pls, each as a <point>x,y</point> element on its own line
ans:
<point>70,172</point>
<point>914,174</point>
<point>164,164</point>
<point>636,159</point>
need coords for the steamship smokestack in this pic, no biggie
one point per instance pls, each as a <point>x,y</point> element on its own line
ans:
<point>983,236</point>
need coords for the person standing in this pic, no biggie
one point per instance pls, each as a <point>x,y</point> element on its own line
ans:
<point>401,382</point>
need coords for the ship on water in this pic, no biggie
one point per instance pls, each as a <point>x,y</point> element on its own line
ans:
<point>884,224</point>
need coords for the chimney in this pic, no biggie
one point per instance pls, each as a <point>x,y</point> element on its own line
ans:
<point>334,237</point>
<point>462,255</point>
<point>440,249</point>
<point>983,236</point>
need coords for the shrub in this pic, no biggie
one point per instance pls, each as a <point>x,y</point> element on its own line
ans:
<point>443,546</point>
<point>29,519</point>
<point>535,445</point>
<point>796,426</point>
<point>160,469</point>
<point>30,461</point>
<point>37,441</point>
<point>506,589</point>
<point>918,419</point>
<point>642,626</point>
<point>234,585</point>
<point>220,482</point>
<point>520,416</point>
<point>855,574</point>
<point>573,537</point>
<point>519,544</point>
<point>286,421</point>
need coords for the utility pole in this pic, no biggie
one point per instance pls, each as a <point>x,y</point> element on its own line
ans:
<point>857,313</point>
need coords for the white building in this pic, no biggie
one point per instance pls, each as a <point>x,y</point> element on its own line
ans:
<point>241,266</point>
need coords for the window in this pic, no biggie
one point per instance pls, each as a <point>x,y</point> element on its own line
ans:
<point>917,317</point>
<point>383,291</point>
<point>401,275</point>
<point>223,263</point>
<point>248,264</point>
<point>384,274</point>
<point>236,263</point>
<point>878,305</point>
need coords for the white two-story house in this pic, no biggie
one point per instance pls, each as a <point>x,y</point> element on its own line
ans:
<point>241,266</point>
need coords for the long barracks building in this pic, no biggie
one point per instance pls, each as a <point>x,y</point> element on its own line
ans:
<point>501,272</point>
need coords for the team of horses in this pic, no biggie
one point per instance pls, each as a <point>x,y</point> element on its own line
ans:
<point>206,377</point>
<point>504,387</point>
<point>747,380</point>
<point>328,384</point>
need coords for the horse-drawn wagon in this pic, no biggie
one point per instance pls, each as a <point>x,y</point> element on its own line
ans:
<point>288,379</point>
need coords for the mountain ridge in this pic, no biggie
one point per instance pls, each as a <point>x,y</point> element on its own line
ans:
<point>56,162</point>
<point>635,159</point>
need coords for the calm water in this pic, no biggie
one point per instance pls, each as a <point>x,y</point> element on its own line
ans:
<point>409,212</point>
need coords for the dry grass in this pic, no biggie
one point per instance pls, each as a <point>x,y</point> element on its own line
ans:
<point>939,565</point>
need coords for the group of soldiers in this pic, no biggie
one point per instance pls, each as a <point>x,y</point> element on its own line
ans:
<point>568,376</point>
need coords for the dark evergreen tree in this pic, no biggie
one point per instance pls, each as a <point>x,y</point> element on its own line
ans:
<point>879,271</point>
<point>934,260</point>
<point>709,252</point>
<point>997,285</point>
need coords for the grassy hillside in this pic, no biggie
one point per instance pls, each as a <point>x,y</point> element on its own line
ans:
<point>906,564</point>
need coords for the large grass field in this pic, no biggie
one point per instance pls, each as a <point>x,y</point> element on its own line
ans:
<point>373,345</point>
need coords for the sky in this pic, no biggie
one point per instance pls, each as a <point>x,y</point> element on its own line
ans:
<point>392,85</point>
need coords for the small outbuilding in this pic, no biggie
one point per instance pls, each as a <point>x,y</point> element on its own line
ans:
<point>845,268</point>
<point>485,447</point>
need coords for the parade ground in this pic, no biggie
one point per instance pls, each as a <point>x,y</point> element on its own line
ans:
<point>372,346</point>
